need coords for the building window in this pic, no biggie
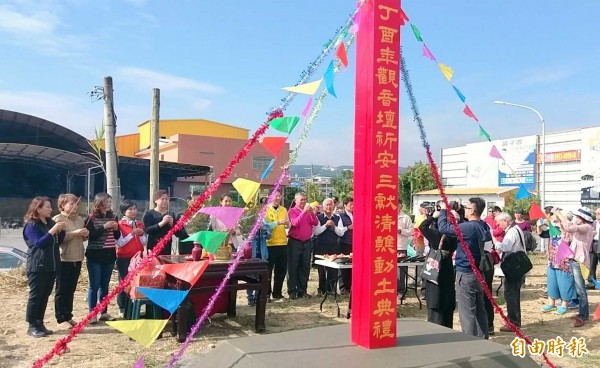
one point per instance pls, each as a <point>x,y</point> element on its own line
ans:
<point>197,189</point>
<point>260,163</point>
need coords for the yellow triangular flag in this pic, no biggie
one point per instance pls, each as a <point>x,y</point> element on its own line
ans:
<point>306,88</point>
<point>446,71</point>
<point>585,272</point>
<point>144,331</point>
<point>246,188</point>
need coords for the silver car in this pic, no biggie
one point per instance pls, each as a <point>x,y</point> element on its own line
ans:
<point>11,258</point>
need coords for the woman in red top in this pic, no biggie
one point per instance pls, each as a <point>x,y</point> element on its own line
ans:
<point>132,240</point>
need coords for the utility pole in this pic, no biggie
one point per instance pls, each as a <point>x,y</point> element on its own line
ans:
<point>110,127</point>
<point>154,143</point>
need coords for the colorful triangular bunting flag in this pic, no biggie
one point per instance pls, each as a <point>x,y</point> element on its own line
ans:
<point>329,79</point>
<point>403,17</point>
<point>585,272</point>
<point>522,193</point>
<point>285,124</point>
<point>535,212</point>
<point>246,188</point>
<point>460,95</point>
<point>140,363</point>
<point>164,298</point>
<point>144,331</point>
<point>446,71</point>
<point>427,53</point>
<point>273,144</point>
<point>483,133</point>
<point>306,88</point>
<point>307,107</point>
<point>342,55</point>
<point>562,252</point>
<point>597,312</point>
<point>267,170</point>
<point>416,32</point>
<point>494,153</point>
<point>189,272</point>
<point>229,216</point>
<point>469,113</point>
<point>554,231</point>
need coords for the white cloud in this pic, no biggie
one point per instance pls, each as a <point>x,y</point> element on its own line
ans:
<point>60,109</point>
<point>147,79</point>
<point>37,25</point>
<point>201,104</point>
<point>548,75</point>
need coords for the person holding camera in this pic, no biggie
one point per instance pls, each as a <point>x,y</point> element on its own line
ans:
<point>469,292</point>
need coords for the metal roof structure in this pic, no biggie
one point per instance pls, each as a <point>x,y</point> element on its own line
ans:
<point>46,156</point>
<point>35,140</point>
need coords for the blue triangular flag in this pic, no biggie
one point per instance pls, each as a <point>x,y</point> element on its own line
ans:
<point>166,299</point>
<point>522,193</point>
<point>460,95</point>
<point>268,170</point>
<point>410,250</point>
<point>329,79</point>
<point>595,282</point>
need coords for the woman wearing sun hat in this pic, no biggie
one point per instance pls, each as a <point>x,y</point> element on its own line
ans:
<point>583,235</point>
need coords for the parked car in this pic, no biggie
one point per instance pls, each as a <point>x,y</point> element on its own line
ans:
<point>11,258</point>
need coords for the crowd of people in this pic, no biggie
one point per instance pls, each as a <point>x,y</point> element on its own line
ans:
<point>500,233</point>
<point>289,241</point>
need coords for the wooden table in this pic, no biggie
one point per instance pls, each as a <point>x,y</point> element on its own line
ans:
<point>217,271</point>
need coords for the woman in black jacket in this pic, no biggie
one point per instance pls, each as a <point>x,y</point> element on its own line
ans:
<point>158,222</point>
<point>440,298</point>
<point>42,236</point>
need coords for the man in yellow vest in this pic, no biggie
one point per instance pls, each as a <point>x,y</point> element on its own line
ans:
<point>276,218</point>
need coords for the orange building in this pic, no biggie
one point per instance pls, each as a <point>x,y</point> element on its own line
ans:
<point>208,143</point>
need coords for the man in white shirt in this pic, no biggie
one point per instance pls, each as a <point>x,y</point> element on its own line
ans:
<point>595,251</point>
<point>513,242</point>
<point>405,233</point>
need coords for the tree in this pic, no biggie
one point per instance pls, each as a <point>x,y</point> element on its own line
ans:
<point>416,178</point>
<point>523,204</point>
<point>313,193</point>
<point>343,185</point>
<point>290,192</point>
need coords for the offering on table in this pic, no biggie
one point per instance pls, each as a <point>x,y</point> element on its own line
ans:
<point>338,258</point>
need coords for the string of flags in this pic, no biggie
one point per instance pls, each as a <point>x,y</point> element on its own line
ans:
<point>146,331</point>
<point>448,73</point>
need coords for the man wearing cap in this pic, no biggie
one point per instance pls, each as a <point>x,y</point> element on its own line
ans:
<point>595,253</point>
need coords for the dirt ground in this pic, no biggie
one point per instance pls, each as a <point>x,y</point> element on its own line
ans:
<point>101,345</point>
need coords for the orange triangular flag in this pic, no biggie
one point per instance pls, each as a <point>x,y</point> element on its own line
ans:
<point>189,272</point>
<point>273,144</point>
<point>342,55</point>
<point>596,314</point>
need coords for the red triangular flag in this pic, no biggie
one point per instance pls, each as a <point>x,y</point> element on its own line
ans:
<point>273,144</point>
<point>403,17</point>
<point>189,272</point>
<point>469,113</point>
<point>535,212</point>
<point>342,55</point>
<point>596,314</point>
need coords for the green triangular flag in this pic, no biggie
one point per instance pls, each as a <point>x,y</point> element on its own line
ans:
<point>210,240</point>
<point>553,230</point>
<point>285,124</point>
<point>416,32</point>
<point>327,44</point>
<point>483,133</point>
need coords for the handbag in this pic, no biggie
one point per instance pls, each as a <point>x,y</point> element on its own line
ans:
<point>486,263</point>
<point>495,256</point>
<point>516,264</point>
<point>431,270</point>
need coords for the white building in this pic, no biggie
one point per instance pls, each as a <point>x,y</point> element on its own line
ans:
<point>572,167</point>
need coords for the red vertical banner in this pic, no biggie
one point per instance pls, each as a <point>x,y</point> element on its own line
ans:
<point>376,175</point>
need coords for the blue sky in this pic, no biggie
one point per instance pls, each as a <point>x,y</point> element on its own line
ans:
<point>227,61</point>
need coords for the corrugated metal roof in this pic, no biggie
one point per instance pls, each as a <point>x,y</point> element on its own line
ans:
<point>470,190</point>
